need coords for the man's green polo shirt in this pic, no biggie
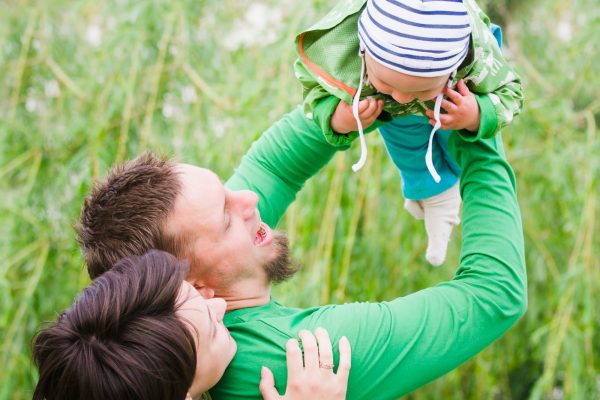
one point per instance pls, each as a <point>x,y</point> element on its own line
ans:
<point>402,344</point>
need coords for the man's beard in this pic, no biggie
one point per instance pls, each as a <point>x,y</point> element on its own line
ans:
<point>282,267</point>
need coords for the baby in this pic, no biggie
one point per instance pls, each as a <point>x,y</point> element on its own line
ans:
<point>395,65</point>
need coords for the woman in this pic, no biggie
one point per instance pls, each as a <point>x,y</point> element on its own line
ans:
<point>139,331</point>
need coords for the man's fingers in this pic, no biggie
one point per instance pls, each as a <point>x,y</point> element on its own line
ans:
<point>294,358</point>
<point>267,385</point>
<point>325,351</point>
<point>345,358</point>
<point>311,351</point>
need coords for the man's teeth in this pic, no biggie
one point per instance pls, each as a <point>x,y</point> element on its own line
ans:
<point>262,233</point>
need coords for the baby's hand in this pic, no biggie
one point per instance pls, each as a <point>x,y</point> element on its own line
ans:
<point>342,120</point>
<point>462,109</point>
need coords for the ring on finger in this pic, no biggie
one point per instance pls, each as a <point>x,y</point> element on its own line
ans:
<point>325,365</point>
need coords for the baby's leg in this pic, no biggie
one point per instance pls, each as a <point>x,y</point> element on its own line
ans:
<point>406,140</point>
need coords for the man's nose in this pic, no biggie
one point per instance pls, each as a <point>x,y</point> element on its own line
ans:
<point>217,307</point>
<point>247,201</point>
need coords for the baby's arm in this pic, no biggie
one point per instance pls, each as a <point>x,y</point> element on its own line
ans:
<point>332,114</point>
<point>343,121</point>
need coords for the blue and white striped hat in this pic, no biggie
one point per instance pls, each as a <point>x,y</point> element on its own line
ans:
<point>416,37</point>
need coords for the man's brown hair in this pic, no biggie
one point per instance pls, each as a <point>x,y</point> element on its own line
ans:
<point>121,339</point>
<point>124,214</point>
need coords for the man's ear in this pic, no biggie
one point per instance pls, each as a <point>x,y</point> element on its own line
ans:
<point>188,396</point>
<point>204,290</point>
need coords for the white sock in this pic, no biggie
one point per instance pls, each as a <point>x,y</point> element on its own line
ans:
<point>441,213</point>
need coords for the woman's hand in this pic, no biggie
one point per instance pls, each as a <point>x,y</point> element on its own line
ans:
<point>314,379</point>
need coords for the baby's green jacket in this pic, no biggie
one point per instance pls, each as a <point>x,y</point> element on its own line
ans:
<point>328,66</point>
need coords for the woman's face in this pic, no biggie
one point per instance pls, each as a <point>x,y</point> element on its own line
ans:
<point>215,347</point>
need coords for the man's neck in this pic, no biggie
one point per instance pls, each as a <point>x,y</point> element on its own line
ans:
<point>244,295</point>
<point>235,304</point>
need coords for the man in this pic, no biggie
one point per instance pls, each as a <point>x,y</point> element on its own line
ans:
<point>224,231</point>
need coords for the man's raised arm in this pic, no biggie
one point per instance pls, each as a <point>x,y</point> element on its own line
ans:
<point>291,151</point>
<point>405,343</point>
<point>402,344</point>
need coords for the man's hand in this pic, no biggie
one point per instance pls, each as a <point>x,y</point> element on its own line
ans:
<point>314,378</point>
<point>462,110</point>
<point>342,120</point>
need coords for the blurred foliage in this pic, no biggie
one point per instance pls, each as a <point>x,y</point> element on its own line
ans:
<point>85,84</point>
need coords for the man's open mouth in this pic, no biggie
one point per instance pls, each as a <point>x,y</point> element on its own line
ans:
<point>264,235</point>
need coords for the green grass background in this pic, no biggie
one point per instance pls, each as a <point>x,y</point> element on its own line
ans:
<point>85,84</point>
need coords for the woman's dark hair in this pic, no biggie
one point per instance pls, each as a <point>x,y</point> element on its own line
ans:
<point>121,338</point>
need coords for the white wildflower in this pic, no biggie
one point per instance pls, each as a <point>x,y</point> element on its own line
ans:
<point>188,94</point>
<point>206,25</point>
<point>51,89</point>
<point>93,35</point>
<point>171,110</point>
<point>564,31</point>
<point>261,25</point>
<point>31,104</point>
<point>221,127</point>
<point>557,393</point>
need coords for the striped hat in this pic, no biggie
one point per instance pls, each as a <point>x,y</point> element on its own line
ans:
<point>416,37</point>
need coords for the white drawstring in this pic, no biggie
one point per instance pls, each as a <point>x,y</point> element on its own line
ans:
<point>355,101</point>
<point>436,116</point>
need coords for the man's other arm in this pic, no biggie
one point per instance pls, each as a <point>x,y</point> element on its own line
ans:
<point>403,344</point>
<point>291,151</point>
